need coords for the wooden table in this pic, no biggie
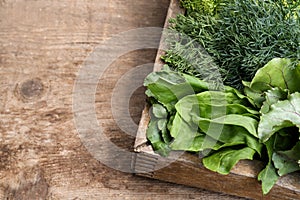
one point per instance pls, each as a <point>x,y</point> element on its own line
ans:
<point>43,45</point>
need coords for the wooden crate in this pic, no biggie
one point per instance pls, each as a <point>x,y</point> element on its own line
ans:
<point>185,168</point>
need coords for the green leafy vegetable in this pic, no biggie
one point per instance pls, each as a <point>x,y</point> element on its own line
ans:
<point>282,114</point>
<point>246,44</point>
<point>268,176</point>
<point>284,164</point>
<point>277,73</point>
<point>153,135</point>
<point>226,125</point>
<point>167,87</point>
<point>273,96</point>
<point>241,36</point>
<point>223,161</point>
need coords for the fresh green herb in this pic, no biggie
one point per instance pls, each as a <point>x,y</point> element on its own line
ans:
<point>241,36</point>
<point>209,7</point>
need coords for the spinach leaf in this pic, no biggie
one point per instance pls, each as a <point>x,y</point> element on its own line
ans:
<point>223,122</point>
<point>167,87</point>
<point>183,133</point>
<point>232,130</point>
<point>153,135</point>
<point>159,111</point>
<point>223,160</point>
<point>255,98</point>
<point>282,114</point>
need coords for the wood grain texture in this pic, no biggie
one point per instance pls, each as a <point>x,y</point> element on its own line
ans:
<point>43,44</point>
<point>185,168</point>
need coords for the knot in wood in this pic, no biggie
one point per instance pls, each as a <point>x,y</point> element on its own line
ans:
<point>31,89</point>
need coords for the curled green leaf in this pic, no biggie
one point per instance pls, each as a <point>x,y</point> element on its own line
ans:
<point>282,114</point>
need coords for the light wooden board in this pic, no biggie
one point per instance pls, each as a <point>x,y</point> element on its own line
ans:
<point>43,44</point>
<point>186,169</point>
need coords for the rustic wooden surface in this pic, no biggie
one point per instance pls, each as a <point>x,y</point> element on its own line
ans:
<point>42,46</point>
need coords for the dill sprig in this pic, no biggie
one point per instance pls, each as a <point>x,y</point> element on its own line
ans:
<point>241,36</point>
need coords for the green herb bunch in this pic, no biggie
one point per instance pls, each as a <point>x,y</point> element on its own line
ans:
<point>241,36</point>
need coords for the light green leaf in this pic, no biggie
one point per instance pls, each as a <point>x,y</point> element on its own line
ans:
<point>232,129</point>
<point>167,87</point>
<point>268,177</point>
<point>212,104</point>
<point>183,133</point>
<point>223,160</point>
<point>282,114</point>
<point>203,142</point>
<point>277,73</point>
<point>159,111</point>
<point>247,123</point>
<point>162,126</point>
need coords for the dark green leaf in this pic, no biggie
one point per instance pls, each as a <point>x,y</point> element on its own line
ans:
<point>232,129</point>
<point>255,98</point>
<point>293,154</point>
<point>153,135</point>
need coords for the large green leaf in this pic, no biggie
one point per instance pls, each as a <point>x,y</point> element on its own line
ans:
<point>232,129</point>
<point>282,114</point>
<point>212,104</point>
<point>167,86</point>
<point>183,133</point>
<point>277,73</point>
<point>211,112</point>
<point>223,160</point>
<point>248,123</point>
